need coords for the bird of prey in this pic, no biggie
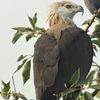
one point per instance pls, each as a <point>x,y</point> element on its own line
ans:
<point>93,5</point>
<point>62,50</point>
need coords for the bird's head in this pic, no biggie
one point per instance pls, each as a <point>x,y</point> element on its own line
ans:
<point>62,11</point>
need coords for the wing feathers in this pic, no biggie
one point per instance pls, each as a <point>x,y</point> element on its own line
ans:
<point>46,56</point>
<point>49,75</point>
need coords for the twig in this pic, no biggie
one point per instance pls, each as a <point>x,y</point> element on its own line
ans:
<point>96,64</point>
<point>14,86</point>
<point>95,92</point>
<point>13,83</point>
<point>92,20</point>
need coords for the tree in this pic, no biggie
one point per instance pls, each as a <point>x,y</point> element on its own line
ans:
<point>91,82</point>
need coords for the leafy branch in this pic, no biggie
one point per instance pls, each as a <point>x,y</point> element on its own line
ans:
<point>92,20</point>
<point>30,32</point>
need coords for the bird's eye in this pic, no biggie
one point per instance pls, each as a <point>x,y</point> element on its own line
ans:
<point>68,6</point>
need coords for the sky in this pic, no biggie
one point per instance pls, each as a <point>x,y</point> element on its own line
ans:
<point>14,13</point>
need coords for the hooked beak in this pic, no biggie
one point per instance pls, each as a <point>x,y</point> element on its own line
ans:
<point>80,9</point>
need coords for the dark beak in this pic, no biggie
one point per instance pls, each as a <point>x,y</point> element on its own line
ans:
<point>81,9</point>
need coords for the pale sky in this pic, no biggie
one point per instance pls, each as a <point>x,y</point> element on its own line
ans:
<point>14,13</point>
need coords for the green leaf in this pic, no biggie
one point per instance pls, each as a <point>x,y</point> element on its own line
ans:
<point>20,66</point>
<point>6,85</point>
<point>98,95</point>
<point>97,27</point>
<point>5,91</point>
<point>41,29</point>
<point>26,71</point>
<point>5,95</point>
<point>79,83</point>
<point>21,29</point>
<point>68,91</point>
<point>97,42</point>
<point>21,58</point>
<point>33,20</point>
<point>95,87</point>
<point>19,95</point>
<point>97,19</point>
<point>29,29</point>
<point>82,98</point>
<point>90,76</point>
<point>95,48</point>
<point>86,21</point>
<point>16,37</point>
<point>88,96</point>
<point>29,36</point>
<point>75,77</point>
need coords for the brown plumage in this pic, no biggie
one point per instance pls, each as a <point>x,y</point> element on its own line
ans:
<point>60,51</point>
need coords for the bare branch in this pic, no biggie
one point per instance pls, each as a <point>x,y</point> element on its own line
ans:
<point>14,85</point>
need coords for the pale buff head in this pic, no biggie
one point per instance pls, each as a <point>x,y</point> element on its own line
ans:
<point>60,11</point>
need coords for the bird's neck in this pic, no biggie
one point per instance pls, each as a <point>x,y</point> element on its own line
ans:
<point>68,21</point>
<point>63,21</point>
<point>59,26</point>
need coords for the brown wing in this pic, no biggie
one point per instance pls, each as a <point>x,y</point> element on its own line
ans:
<point>46,56</point>
<point>75,52</point>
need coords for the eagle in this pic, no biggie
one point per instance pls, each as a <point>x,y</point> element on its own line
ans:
<point>61,51</point>
<point>93,5</point>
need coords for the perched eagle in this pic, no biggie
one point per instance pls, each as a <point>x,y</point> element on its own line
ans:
<point>62,50</point>
<point>92,6</point>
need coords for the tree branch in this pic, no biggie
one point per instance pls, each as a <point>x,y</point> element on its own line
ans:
<point>14,86</point>
<point>92,20</point>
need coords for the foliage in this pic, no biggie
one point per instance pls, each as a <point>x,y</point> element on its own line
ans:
<point>5,91</point>
<point>28,31</point>
<point>91,82</point>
